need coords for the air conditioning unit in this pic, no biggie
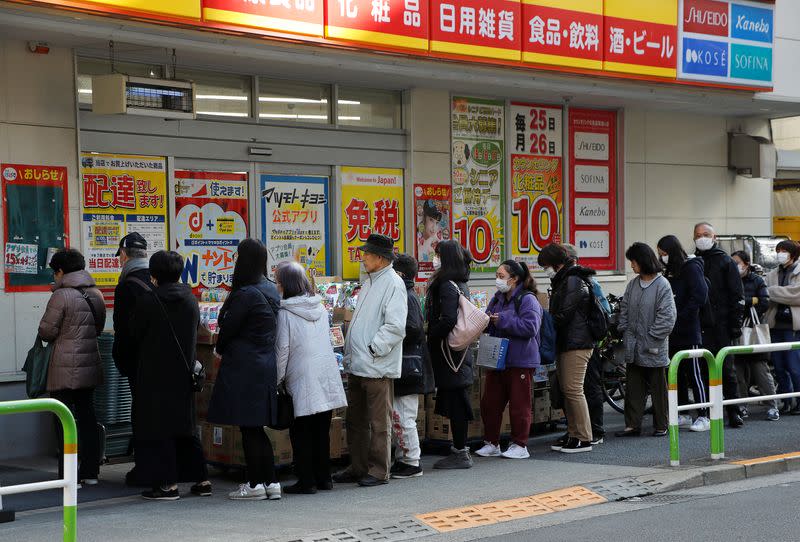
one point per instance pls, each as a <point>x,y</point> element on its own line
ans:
<point>752,156</point>
<point>119,94</point>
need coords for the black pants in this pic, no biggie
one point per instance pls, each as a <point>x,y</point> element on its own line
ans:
<point>81,404</point>
<point>593,390</point>
<point>692,375</point>
<point>638,381</point>
<point>311,447</point>
<point>165,462</point>
<point>258,455</point>
<point>730,385</point>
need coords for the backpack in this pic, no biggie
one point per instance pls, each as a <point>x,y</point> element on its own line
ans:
<point>547,332</point>
<point>596,316</point>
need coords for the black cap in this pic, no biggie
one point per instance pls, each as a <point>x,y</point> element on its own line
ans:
<point>132,240</point>
<point>380,245</point>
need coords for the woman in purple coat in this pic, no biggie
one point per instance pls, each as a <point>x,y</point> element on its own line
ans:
<point>515,314</point>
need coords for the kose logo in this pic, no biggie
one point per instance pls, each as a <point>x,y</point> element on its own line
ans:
<point>706,58</point>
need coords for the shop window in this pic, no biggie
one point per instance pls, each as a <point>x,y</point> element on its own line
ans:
<point>219,94</point>
<point>87,67</point>
<point>293,102</point>
<point>369,108</point>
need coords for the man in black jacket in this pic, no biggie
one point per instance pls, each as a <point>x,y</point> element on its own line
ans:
<point>132,255</point>
<point>726,296</point>
<point>416,379</point>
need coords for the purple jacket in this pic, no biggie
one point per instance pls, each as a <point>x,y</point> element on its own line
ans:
<point>520,328</point>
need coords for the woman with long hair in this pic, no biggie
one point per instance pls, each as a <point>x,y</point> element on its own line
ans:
<point>688,282</point>
<point>515,314</point>
<point>245,393</point>
<point>449,281</point>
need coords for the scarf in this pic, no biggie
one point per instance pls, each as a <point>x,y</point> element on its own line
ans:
<point>134,264</point>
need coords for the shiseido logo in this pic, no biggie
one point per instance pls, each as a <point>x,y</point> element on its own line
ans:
<point>706,17</point>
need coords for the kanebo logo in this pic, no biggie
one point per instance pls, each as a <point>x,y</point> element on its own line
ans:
<point>743,23</point>
<point>706,17</point>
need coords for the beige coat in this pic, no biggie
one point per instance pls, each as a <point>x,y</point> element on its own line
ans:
<point>68,322</point>
<point>784,295</point>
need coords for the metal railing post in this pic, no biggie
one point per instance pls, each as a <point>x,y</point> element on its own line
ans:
<point>70,481</point>
<point>672,399</point>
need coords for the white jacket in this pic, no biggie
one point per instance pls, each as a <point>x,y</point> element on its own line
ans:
<point>784,295</point>
<point>379,322</point>
<point>305,356</point>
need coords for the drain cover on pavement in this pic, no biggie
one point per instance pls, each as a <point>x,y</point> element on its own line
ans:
<point>623,488</point>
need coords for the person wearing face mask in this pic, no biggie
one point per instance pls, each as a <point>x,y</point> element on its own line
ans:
<point>569,307</point>
<point>515,314</point>
<point>726,297</point>
<point>783,316</point>
<point>685,276</point>
<point>754,367</point>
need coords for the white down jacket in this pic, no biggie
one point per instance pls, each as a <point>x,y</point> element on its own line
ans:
<point>305,357</point>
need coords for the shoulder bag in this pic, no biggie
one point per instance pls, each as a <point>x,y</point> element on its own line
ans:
<point>470,323</point>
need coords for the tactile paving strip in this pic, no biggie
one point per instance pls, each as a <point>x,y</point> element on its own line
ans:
<point>623,488</point>
<point>500,511</point>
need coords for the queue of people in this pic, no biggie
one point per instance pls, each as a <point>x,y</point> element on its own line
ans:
<point>274,336</point>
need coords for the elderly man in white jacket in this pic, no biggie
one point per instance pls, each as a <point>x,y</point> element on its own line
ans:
<point>373,354</point>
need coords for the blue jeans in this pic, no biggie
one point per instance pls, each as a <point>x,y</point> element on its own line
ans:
<point>787,364</point>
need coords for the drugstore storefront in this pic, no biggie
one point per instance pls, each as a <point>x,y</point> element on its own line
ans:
<point>309,136</point>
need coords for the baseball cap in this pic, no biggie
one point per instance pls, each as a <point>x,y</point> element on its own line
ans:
<point>132,240</point>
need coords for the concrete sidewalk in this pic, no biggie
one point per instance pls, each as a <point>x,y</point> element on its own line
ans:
<point>641,460</point>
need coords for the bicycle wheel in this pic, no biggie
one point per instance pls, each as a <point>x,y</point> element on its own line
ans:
<point>614,389</point>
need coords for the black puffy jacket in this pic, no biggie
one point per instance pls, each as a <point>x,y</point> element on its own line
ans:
<point>441,308</point>
<point>125,348</point>
<point>726,295</point>
<point>755,294</point>
<point>569,306</point>
<point>414,344</point>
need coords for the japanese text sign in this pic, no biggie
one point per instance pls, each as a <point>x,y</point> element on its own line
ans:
<point>395,23</point>
<point>563,32</point>
<point>487,28</point>
<point>641,37</point>
<point>210,217</point>
<point>433,218</point>
<point>178,8</point>
<point>537,184</point>
<point>35,223</point>
<point>296,16</point>
<point>593,197</point>
<point>372,202</point>
<point>121,194</point>
<point>726,41</point>
<point>294,221</point>
<point>478,178</point>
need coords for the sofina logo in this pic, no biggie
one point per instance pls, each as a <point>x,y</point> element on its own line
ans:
<point>704,57</point>
<point>748,62</point>
<point>751,23</point>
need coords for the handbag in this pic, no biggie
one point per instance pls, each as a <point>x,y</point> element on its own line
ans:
<point>196,371</point>
<point>36,365</point>
<point>470,323</point>
<point>285,412</point>
<point>492,352</point>
<point>411,372</point>
<point>753,331</point>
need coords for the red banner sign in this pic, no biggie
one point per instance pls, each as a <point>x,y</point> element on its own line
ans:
<point>564,35</point>
<point>487,28</point>
<point>641,37</point>
<point>394,23</point>
<point>296,16</point>
<point>705,17</point>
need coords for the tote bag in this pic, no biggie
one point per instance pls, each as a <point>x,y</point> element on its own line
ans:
<point>753,331</point>
<point>492,352</point>
<point>470,323</point>
<point>36,365</point>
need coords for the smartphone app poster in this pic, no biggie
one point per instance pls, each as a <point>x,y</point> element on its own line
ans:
<point>477,176</point>
<point>433,219</point>
<point>121,194</point>
<point>210,218</point>
<point>294,221</point>
<point>372,202</point>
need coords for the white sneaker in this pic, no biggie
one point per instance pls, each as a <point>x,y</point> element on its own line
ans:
<point>489,450</point>
<point>89,481</point>
<point>684,421</point>
<point>247,493</point>
<point>274,491</point>
<point>701,424</point>
<point>515,451</point>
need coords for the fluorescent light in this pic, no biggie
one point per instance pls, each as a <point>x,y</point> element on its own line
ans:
<point>221,97</point>
<point>349,102</point>
<point>279,99</point>
<point>84,91</point>
<point>291,116</point>
<point>221,114</point>
<point>349,118</point>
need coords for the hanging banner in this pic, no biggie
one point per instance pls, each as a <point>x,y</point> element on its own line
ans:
<point>478,180</point>
<point>296,16</point>
<point>121,194</point>
<point>209,218</point>
<point>593,197</point>
<point>537,183</point>
<point>487,28</point>
<point>641,37</point>
<point>294,221</point>
<point>372,202</point>
<point>433,218</point>
<point>394,23</point>
<point>35,224</point>
<point>563,32</point>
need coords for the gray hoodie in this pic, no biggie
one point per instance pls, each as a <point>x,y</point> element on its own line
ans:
<point>305,356</point>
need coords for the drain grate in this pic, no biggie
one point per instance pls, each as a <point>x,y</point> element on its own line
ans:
<point>623,488</point>
<point>403,529</point>
<point>336,535</point>
<point>666,499</point>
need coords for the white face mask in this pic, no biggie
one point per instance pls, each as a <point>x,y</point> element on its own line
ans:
<point>437,263</point>
<point>502,285</point>
<point>665,259</point>
<point>783,257</point>
<point>703,243</point>
<point>550,272</point>
<point>742,270</point>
